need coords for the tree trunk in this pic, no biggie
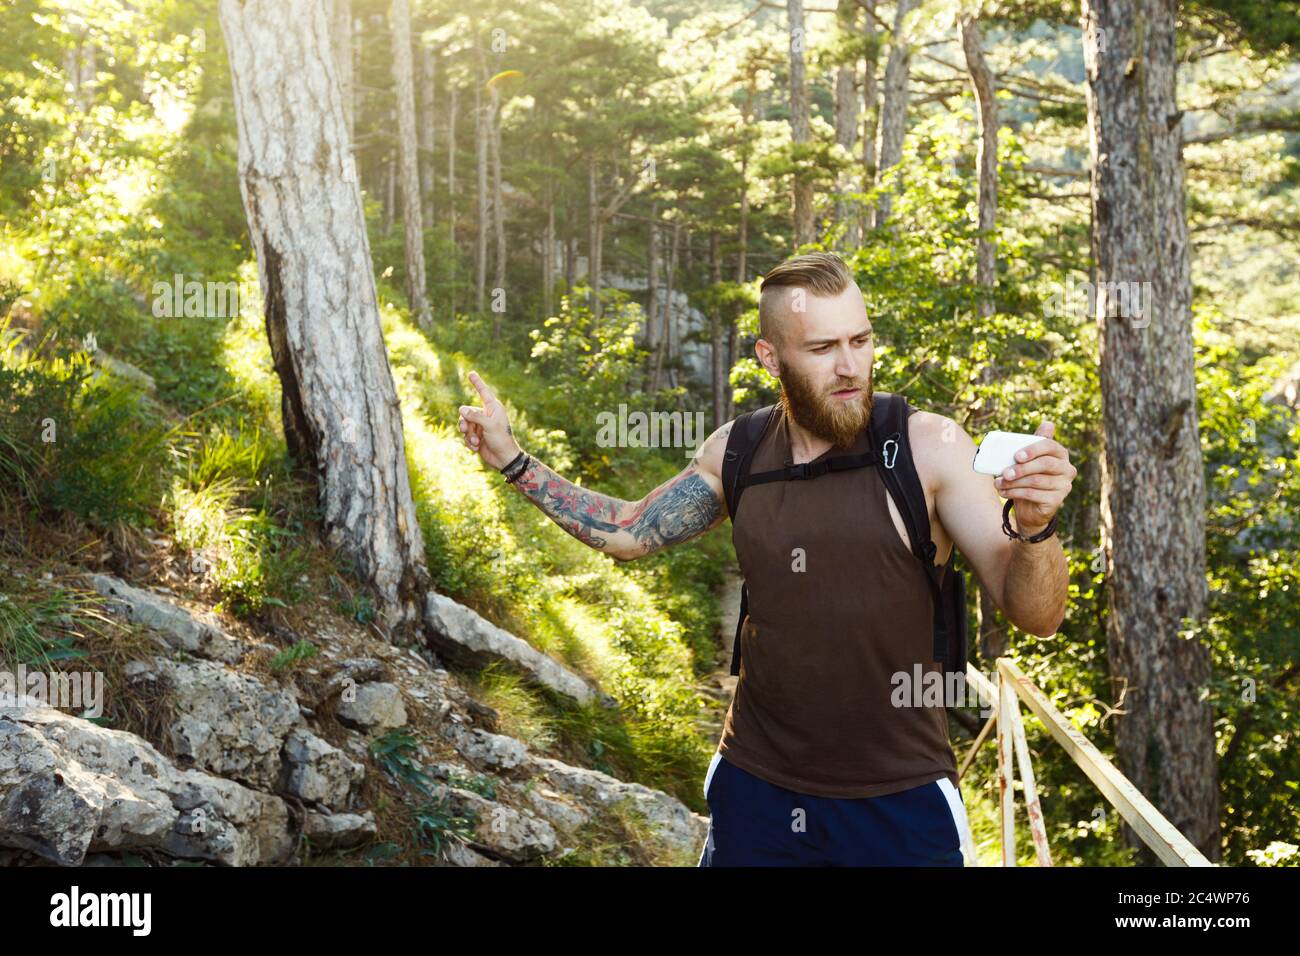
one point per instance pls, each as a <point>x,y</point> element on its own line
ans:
<point>993,640</point>
<point>1153,491</point>
<point>342,421</point>
<point>593,238</point>
<point>451,193</point>
<point>428,116</point>
<point>870,103</point>
<point>652,283</point>
<point>548,260</point>
<point>981,78</point>
<point>571,256</point>
<point>715,322</point>
<point>412,218</point>
<point>800,127</point>
<point>481,165</point>
<point>664,354</point>
<point>846,123</point>
<point>390,190</point>
<point>341,43</point>
<point>893,114</point>
<point>498,208</point>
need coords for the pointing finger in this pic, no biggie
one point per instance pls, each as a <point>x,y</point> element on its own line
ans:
<point>484,392</point>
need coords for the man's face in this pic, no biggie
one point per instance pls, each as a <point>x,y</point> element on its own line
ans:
<point>825,364</point>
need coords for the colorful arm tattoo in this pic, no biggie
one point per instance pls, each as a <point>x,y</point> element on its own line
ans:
<point>672,513</point>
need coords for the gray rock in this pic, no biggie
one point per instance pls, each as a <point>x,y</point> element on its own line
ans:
<point>377,708</point>
<point>502,831</point>
<point>318,772</point>
<point>227,723</point>
<point>179,629</point>
<point>485,750</point>
<point>458,854</point>
<point>69,787</point>
<point>676,825</point>
<point>554,807</point>
<point>339,830</point>
<point>349,674</point>
<point>465,634</point>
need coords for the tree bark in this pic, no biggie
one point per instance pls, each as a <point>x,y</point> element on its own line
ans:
<point>428,117</point>
<point>800,126</point>
<point>893,114</point>
<point>342,421</point>
<point>981,78</point>
<point>412,215</point>
<point>481,165</point>
<point>498,207</point>
<point>715,322</point>
<point>390,190</point>
<point>454,94</point>
<point>548,259</point>
<point>993,640</point>
<point>1153,491</point>
<point>846,122</point>
<point>593,237</point>
<point>870,102</point>
<point>341,43</point>
<point>652,284</point>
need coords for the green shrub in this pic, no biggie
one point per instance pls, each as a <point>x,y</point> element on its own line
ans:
<point>74,440</point>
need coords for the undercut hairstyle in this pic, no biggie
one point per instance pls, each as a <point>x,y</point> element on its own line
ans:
<point>818,273</point>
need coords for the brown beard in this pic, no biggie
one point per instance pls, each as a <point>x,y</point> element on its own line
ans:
<point>829,419</point>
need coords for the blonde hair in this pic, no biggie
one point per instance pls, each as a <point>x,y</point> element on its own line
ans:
<point>819,273</point>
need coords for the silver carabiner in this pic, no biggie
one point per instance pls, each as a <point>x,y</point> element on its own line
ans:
<point>889,456</point>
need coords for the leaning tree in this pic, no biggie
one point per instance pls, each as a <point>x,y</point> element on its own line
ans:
<point>342,421</point>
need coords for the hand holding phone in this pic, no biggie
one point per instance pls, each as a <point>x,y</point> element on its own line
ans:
<point>997,452</point>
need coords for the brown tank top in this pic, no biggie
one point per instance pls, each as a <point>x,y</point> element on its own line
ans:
<point>813,710</point>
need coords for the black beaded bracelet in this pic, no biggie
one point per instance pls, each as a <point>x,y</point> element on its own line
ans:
<point>1015,535</point>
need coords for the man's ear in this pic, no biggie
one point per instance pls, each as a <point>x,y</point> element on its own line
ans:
<point>765,352</point>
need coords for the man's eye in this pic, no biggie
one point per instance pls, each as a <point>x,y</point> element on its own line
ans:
<point>824,348</point>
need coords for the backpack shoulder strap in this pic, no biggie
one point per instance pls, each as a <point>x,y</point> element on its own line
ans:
<point>889,437</point>
<point>744,437</point>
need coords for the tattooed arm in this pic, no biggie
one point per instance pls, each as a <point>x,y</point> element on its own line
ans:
<point>687,505</point>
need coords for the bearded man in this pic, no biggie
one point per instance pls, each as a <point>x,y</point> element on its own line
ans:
<point>818,765</point>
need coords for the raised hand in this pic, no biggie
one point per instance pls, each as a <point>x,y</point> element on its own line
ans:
<point>1039,481</point>
<point>487,429</point>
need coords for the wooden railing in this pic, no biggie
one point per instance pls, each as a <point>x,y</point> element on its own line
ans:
<point>1159,834</point>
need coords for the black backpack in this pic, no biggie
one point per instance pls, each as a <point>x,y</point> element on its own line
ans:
<point>891,451</point>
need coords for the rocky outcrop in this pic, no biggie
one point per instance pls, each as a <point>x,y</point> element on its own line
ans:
<point>177,629</point>
<point>674,823</point>
<point>226,723</point>
<point>318,772</point>
<point>464,635</point>
<point>375,707</point>
<point>329,831</point>
<point>251,771</point>
<point>502,831</point>
<point>69,787</point>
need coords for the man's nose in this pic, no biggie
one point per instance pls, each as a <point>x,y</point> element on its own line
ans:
<point>847,365</point>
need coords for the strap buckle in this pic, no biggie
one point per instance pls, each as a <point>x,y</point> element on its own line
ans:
<point>889,455</point>
<point>799,471</point>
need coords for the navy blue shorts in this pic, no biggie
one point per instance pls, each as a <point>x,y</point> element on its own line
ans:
<point>756,823</point>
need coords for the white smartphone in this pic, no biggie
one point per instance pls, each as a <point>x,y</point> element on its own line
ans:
<point>997,452</point>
